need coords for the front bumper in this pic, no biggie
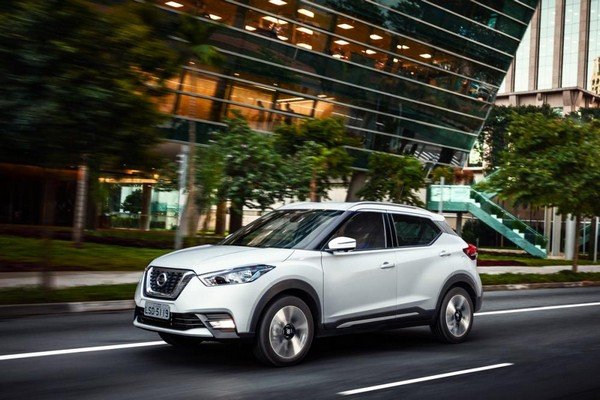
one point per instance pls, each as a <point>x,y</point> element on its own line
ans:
<point>197,305</point>
<point>183,324</point>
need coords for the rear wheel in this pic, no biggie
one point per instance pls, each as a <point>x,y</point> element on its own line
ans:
<point>455,317</point>
<point>285,332</point>
<point>180,341</point>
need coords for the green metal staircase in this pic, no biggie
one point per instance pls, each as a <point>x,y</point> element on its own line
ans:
<point>462,198</point>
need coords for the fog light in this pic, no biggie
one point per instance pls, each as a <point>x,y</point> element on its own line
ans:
<point>222,324</point>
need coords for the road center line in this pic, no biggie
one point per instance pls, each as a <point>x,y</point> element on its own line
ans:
<point>79,350</point>
<point>424,379</point>
<point>532,309</point>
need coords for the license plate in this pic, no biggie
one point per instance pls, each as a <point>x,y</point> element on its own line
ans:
<point>157,310</point>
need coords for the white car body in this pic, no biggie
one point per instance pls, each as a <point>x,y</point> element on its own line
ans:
<point>361,289</point>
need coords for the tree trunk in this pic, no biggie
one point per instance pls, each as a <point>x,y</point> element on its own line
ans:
<point>191,209</point>
<point>146,206</point>
<point>80,204</point>
<point>313,187</point>
<point>221,217</point>
<point>576,244</point>
<point>236,215</point>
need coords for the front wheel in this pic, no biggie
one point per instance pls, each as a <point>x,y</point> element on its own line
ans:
<point>455,317</point>
<point>285,332</point>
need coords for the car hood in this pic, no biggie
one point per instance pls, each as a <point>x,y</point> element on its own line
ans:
<point>203,259</point>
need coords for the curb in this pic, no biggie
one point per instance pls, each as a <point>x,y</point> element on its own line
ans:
<point>545,285</point>
<point>21,310</point>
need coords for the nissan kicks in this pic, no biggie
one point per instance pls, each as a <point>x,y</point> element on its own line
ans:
<point>314,269</point>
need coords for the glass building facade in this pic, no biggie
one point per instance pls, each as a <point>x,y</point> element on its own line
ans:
<point>407,76</point>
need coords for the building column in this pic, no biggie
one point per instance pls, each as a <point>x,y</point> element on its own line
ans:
<point>556,233</point>
<point>559,32</point>
<point>459,222</point>
<point>570,232</point>
<point>534,49</point>
<point>584,42</point>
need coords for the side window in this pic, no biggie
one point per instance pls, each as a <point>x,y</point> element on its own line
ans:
<point>366,228</point>
<point>414,231</point>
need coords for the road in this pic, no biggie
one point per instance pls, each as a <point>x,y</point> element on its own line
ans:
<point>548,353</point>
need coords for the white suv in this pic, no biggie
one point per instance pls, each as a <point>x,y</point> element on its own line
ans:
<point>314,269</point>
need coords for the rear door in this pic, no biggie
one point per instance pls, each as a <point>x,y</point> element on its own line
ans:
<point>423,261</point>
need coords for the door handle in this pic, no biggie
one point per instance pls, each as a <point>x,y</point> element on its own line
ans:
<point>387,265</point>
<point>444,253</point>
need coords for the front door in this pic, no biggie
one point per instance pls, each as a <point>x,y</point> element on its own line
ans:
<point>360,285</point>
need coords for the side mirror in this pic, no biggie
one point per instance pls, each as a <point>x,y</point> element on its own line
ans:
<point>341,243</point>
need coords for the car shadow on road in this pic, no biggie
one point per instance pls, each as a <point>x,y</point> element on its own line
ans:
<point>235,355</point>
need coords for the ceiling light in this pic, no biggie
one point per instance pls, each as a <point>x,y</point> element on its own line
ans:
<point>278,2</point>
<point>306,12</point>
<point>396,60</point>
<point>341,42</point>
<point>345,26</point>
<point>214,17</point>
<point>304,30</point>
<point>337,56</point>
<point>173,4</point>
<point>402,47</point>
<point>304,45</point>
<point>250,28</point>
<point>281,37</point>
<point>274,20</point>
<point>425,55</point>
<point>370,52</point>
<point>322,96</point>
<point>375,36</point>
<point>236,74</point>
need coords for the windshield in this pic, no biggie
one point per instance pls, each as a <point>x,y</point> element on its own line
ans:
<point>287,229</point>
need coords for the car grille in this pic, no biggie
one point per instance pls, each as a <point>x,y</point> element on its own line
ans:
<point>166,283</point>
<point>178,321</point>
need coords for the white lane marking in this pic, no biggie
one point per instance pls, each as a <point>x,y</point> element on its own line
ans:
<point>531,309</point>
<point>424,379</point>
<point>79,350</point>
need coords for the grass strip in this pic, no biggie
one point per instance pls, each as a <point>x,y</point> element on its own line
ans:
<point>78,293</point>
<point>62,255</point>
<point>562,276</point>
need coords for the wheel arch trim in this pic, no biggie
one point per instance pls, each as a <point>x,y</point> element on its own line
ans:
<point>297,287</point>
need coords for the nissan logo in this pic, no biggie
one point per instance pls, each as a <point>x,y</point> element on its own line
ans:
<point>161,279</point>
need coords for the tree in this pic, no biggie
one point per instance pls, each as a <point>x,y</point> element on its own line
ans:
<point>78,86</point>
<point>393,178</point>
<point>133,202</point>
<point>446,172</point>
<point>495,138</point>
<point>251,172</point>
<point>552,161</point>
<point>192,47</point>
<point>317,155</point>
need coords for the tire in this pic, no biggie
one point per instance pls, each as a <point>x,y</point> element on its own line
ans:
<point>285,332</point>
<point>180,341</point>
<point>455,317</point>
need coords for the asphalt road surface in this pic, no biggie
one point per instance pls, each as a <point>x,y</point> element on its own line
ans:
<point>545,346</point>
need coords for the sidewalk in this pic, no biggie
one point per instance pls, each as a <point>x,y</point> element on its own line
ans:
<point>65,279</point>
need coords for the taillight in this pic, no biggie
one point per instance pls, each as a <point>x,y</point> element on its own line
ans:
<point>471,251</point>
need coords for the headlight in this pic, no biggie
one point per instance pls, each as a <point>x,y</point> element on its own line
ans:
<point>235,275</point>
